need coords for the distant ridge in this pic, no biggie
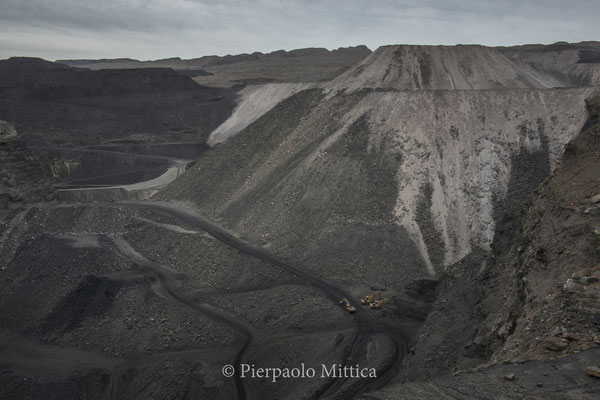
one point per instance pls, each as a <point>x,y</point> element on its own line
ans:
<point>301,65</point>
<point>211,60</point>
<point>577,63</point>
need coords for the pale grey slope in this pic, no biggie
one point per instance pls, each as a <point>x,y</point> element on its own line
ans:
<point>461,145</point>
<point>254,101</point>
<point>411,67</point>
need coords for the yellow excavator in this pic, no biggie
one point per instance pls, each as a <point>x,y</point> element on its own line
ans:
<point>376,305</point>
<point>347,306</point>
<point>369,299</point>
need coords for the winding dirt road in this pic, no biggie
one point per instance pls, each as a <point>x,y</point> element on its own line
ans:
<point>165,174</point>
<point>368,324</point>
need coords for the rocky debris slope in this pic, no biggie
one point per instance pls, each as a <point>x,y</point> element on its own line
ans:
<point>408,67</point>
<point>577,64</point>
<point>429,169</point>
<point>535,294</point>
<point>552,293</point>
<point>301,65</point>
<point>330,208</point>
<point>49,102</point>
<point>22,178</point>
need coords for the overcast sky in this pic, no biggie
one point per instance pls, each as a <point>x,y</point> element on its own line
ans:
<point>153,29</point>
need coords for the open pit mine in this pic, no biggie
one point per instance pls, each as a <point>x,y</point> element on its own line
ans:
<point>414,222</point>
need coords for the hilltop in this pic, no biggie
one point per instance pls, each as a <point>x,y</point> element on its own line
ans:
<point>410,67</point>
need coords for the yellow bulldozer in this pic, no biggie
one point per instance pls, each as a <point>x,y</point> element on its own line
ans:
<point>376,305</point>
<point>374,300</point>
<point>370,298</point>
<point>347,306</point>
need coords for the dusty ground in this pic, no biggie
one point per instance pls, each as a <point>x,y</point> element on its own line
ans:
<point>255,100</point>
<point>118,308</point>
<point>561,379</point>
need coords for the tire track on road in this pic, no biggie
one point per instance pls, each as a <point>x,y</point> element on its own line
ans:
<point>368,323</point>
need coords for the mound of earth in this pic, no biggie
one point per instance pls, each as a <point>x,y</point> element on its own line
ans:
<point>323,165</point>
<point>409,67</point>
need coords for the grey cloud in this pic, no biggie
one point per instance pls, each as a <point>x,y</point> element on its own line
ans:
<point>190,28</point>
<point>96,15</point>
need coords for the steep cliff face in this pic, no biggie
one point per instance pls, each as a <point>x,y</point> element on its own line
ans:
<point>534,295</point>
<point>460,150</point>
<point>430,170</point>
<point>552,270</point>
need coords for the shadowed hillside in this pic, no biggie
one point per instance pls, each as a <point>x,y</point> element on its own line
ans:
<point>53,103</point>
